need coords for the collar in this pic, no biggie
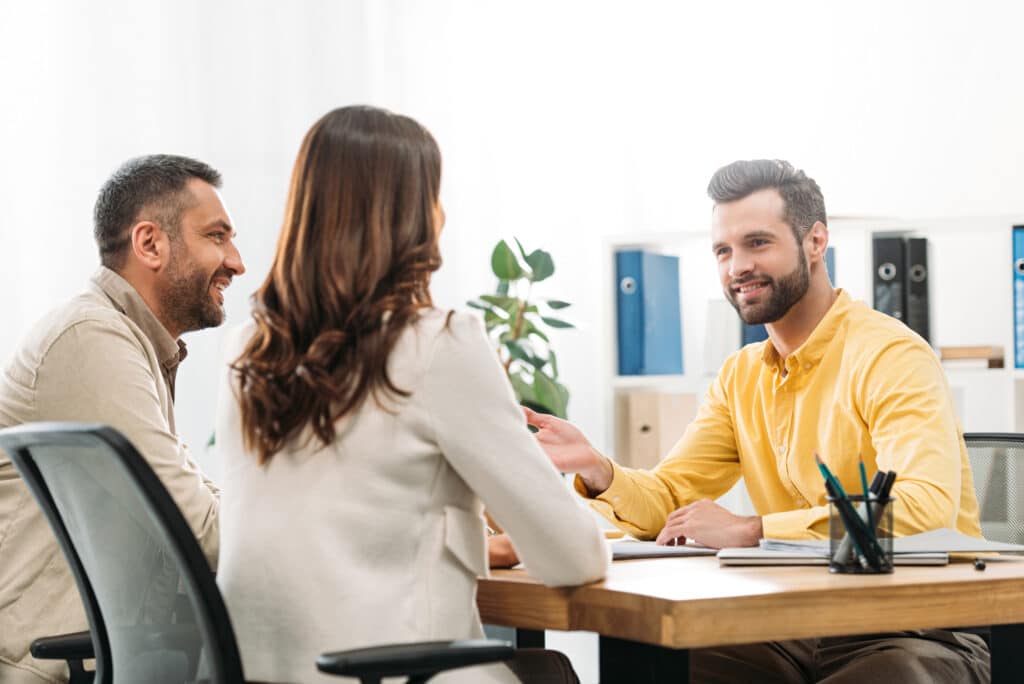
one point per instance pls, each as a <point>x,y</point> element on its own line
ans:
<point>128,301</point>
<point>810,352</point>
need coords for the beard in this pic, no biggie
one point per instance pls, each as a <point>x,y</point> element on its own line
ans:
<point>784,293</point>
<point>187,301</point>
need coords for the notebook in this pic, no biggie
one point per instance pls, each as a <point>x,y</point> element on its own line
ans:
<point>632,548</point>
<point>756,556</point>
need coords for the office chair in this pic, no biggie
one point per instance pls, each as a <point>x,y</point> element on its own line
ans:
<point>997,461</point>
<point>155,613</point>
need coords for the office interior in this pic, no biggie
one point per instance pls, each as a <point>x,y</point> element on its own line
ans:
<point>572,126</point>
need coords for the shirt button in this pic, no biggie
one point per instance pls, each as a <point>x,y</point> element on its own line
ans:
<point>615,499</point>
<point>807,366</point>
<point>782,448</point>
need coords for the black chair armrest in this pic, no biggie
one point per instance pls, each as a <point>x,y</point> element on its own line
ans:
<point>420,660</point>
<point>75,646</point>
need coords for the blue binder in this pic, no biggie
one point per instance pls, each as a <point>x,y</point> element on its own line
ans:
<point>649,326</point>
<point>1018,296</point>
<point>758,333</point>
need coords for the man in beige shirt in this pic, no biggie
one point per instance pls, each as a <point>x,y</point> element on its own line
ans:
<point>110,355</point>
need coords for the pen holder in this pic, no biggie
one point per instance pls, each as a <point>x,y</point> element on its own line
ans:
<point>854,546</point>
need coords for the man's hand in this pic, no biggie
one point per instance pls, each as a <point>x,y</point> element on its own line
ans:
<point>707,523</point>
<point>500,553</point>
<point>570,451</point>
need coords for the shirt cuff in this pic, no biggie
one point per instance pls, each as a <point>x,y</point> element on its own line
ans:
<point>611,495</point>
<point>806,523</point>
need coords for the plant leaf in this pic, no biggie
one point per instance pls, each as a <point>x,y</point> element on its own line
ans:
<point>541,264</point>
<point>563,392</point>
<point>478,305</point>
<point>546,391</point>
<point>504,262</point>
<point>498,300</point>
<point>557,304</point>
<point>502,288</point>
<point>556,322</point>
<point>530,329</point>
<point>521,250</point>
<point>518,351</point>
<point>553,360</point>
<point>522,389</point>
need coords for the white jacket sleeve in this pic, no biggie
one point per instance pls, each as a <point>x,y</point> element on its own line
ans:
<point>482,433</point>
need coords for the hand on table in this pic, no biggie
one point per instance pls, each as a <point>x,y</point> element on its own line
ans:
<point>500,553</point>
<point>707,523</point>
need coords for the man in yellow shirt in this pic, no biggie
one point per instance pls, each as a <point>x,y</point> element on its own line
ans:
<point>834,378</point>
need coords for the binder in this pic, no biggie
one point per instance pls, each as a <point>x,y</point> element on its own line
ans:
<point>649,423</point>
<point>917,287</point>
<point>889,279</point>
<point>757,333</point>
<point>649,318</point>
<point>1018,296</point>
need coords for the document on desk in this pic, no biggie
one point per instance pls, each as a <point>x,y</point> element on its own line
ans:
<point>623,549</point>
<point>944,540</point>
<point>753,555</point>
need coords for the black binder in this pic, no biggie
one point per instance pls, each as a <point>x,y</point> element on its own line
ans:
<point>890,276</point>
<point>917,286</point>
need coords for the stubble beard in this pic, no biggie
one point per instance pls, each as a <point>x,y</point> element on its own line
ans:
<point>785,292</point>
<point>187,301</point>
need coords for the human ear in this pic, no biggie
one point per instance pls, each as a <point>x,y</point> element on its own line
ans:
<point>817,241</point>
<point>149,245</point>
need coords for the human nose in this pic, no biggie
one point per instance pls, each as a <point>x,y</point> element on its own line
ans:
<point>233,260</point>
<point>740,264</point>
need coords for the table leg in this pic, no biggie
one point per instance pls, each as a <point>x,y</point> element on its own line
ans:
<point>634,662</point>
<point>529,638</point>
<point>1007,653</point>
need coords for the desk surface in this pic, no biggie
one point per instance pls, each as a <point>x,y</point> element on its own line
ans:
<point>658,601</point>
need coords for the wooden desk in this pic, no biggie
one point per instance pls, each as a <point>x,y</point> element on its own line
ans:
<point>648,612</point>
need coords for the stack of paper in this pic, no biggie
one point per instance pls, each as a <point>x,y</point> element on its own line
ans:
<point>926,548</point>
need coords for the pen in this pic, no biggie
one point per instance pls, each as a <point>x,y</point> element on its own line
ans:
<point>865,545</point>
<point>867,495</point>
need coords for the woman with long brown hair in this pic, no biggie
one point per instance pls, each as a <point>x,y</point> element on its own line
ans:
<point>362,429</point>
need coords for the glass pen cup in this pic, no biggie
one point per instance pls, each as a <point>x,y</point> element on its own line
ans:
<point>867,550</point>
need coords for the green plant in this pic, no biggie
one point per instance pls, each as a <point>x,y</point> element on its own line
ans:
<point>515,322</point>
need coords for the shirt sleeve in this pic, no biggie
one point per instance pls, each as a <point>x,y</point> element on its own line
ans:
<point>482,433</point>
<point>96,372</point>
<point>914,430</point>
<point>703,464</point>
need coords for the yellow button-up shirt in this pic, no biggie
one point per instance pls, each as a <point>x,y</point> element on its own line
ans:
<point>862,385</point>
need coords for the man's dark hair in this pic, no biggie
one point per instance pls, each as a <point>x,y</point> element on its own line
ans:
<point>801,195</point>
<point>156,184</point>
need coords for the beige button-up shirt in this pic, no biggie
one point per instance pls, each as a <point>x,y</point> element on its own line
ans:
<point>103,357</point>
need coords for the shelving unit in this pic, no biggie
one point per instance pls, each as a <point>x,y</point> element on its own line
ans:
<point>970,294</point>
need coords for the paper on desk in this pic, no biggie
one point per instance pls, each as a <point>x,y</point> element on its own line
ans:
<point>944,540</point>
<point>633,548</point>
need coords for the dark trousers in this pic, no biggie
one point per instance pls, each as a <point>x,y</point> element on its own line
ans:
<point>921,656</point>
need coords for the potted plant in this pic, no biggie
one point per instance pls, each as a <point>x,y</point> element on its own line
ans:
<point>519,325</point>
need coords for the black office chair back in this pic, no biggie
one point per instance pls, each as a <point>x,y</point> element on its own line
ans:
<point>154,611</point>
<point>997,461</point>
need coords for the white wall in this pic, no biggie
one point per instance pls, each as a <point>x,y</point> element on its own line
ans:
<point>561,123</point>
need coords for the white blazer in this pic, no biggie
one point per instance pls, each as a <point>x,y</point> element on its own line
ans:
<point>379,537</point>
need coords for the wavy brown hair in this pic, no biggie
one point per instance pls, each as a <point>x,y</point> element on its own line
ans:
<point>351,270</point>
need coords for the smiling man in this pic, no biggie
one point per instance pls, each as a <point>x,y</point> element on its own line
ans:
<point>835,378</point>
<point>110,355</point>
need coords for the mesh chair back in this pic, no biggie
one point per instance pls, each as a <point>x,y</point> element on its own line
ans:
<point>997,460</point>
<point>154,611</point>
